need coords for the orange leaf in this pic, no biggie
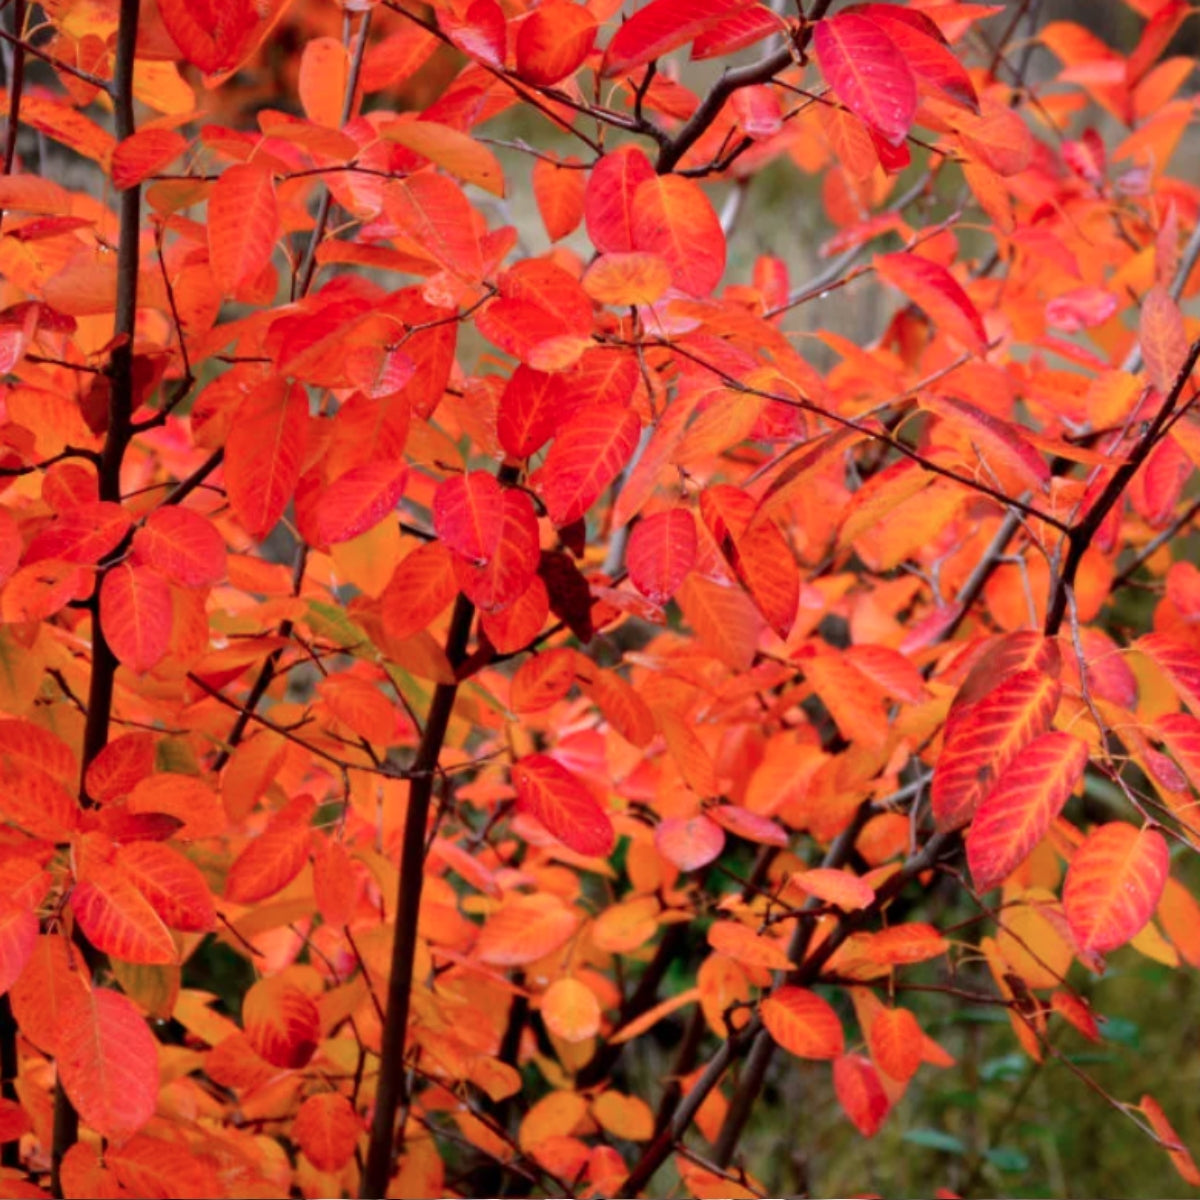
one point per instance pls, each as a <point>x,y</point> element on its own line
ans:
<point>556,797</point>
<point>118,919</point>
<point>802,1023</point>
<point>107,1061</point>
<point>359,499</point>
<point>1114,884</point>
<point>421,587</point>
<point>833,886</point>
<point>895,1042</point>
<point>673,219</point>
<point>689,842</point>
<point>627,279</point>
<point>558,190</point>
<point>1027,797</point>
<point>152,1166</point>
<point>327,1129</point>
<point>243,225</point>
<point>1181,1156</point>
<point>735,941</point>
<point>553,41</point>
<point>174,886</point>
<point>449,148</point>
<point>82,534</point>
<point>571,1010</point>
<point>1003,454</point>
<point>275,857</point>
<point>525,929</point>
<point>324,72</point>
<point>282,1022</point>
<point>18,938</point>
<point>542,680</point>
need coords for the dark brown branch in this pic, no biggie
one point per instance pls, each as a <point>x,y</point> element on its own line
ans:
<point>16,88</point>
<point>391,1090</point>
<point>1080,536</point>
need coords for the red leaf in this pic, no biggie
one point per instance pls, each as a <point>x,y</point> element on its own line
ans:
<point>183,545</point>
<point>436,216</point>
<point>124,762</point>
<point>860,1093</point>
<point>136,614</point>
<point>929,285</point>
<point>982,742</point>
<point>1114,884</point>
<point>1180,1155</point>
<point>1014,818</point>
<point>556,797</point>
<point>243,225</point>
<point>1179,662</point>
<point>673,218</point>
<point>263,455</point>
<point>468,514</point>
<point>107,1061</point>
<point>513,562</point>
<point>585,458</point>
<point>608,200</point>
<point>661,552</point>
<point>145,153</point>
<point>802,1023</point>
<point>18,937</point>
<point>662,26</point>
<point>867,72</point>
<point>553,42</point>
<point>530,410</point>
<point>359,500</point>
<point>84,534</point>
<point>275,857</point>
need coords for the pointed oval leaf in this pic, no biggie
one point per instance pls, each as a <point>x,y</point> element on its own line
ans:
<point>1113,885</point>
<point>571,1010</point>
<point>107,1061</point>
<point>673,219</point>
<point>930,286</point>
<point>556,797</point>
<point>243,225</point>
<point>514,561</point>
<point>608,202</point>
<point>834,886</point>
<point>1030,793</point>
<point>553,42</point>
<point>136,615</point>
<point>144,153</point>
<point>263,455</point>
<point>454,151</point>
<point>117,918</point>
<point>542,680</point>
<point>468,512</point>
<point>327,1130</point>
<point>662,26</point>
<point>18,938</point>
<point>1163,338</point>
<point>980,745</point>
<point>896,1043</point>
<point>275,857</point>
<point>359,500</point>
<point>558,190</point>
<point>585,458</point>
<point>661,552</point>
<point>324,72</point>
<point>83,534</point>
<point>174,886</point>
<point>282,1022</point>
<point>420,588</point>
<point>184,545</point>
<point>803,1023</point>
<point>867,72</point>
<point>860,1093</point>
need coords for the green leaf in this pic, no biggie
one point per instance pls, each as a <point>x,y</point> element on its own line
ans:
<point>935,1139</point>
